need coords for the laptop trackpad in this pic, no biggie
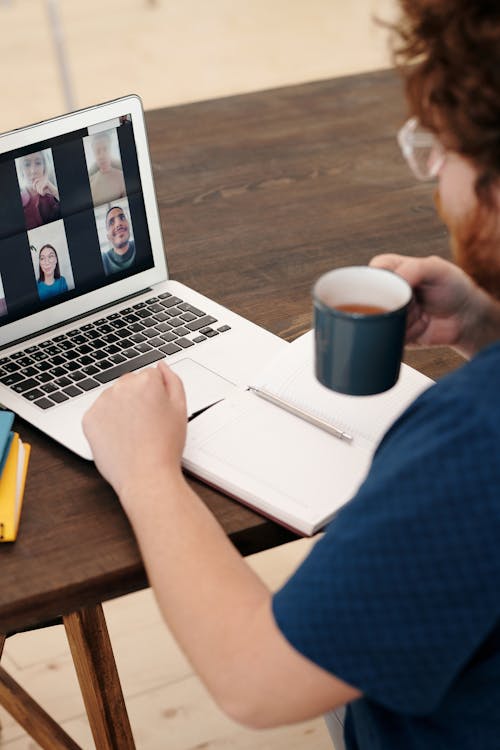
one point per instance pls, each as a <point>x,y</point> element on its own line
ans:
<point>203,386</point>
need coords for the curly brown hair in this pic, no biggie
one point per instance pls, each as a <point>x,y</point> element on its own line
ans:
<point>449,53</point>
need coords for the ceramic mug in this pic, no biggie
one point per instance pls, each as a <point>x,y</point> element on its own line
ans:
<point>359,322</point>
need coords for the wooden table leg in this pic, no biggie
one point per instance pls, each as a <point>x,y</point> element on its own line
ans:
<point>31,716</point>
<point>98,677</point>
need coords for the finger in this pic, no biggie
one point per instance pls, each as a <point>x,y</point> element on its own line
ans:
<point>416,271</point>
<point>173,384</point>
<point>89,422</point>
<point>416,322</point>
<point>389,261</point>
<point>94,416</point>
<point>414,313</point>
<point>123,383</point>
<point>410,269</point>
<point>417,329</point>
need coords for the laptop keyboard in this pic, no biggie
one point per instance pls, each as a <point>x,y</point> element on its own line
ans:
<point>84,358</point>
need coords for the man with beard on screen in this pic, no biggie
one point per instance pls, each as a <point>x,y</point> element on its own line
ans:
<point>121,254</point>
<point>394,614</point>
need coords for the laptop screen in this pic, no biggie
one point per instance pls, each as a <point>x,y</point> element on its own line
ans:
<point>72,217</point>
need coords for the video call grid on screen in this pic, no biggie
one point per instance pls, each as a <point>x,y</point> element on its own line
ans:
<point>72,217</point>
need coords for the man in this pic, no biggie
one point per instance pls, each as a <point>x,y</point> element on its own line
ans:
<point>121,255</point>
<point>107,183</point>
<point>395,613</point>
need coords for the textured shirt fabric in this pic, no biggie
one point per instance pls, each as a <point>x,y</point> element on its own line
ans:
<point>45,291</point>
<point>113,262</point>
<point>401,597</point>
<point>39,209</point>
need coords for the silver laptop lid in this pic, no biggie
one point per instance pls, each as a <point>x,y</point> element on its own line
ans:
<point>79,225</point>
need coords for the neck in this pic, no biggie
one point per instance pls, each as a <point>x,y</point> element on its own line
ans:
<point>122,249</point>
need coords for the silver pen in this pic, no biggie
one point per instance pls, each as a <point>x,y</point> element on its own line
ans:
<point>317,421</point>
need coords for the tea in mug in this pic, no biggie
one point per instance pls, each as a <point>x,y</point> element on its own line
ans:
<point>362,309</point>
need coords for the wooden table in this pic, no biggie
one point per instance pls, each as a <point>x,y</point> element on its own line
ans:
<point>259,194</point>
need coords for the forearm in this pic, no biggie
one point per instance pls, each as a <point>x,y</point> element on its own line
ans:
<point>207,593</point>
<point>482,326</point>
<point>220,613</point>
<point>217,608</point>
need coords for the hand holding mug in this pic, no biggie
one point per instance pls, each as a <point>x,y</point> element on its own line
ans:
<point>448,308</point>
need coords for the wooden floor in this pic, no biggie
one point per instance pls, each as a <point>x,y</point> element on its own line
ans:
<point>167,705</point>
<point>168,52</point>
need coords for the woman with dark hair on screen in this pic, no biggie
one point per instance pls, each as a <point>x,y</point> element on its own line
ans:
<point>39,195</point>
<point>50,281</point>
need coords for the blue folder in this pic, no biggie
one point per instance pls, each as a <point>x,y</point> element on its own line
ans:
<point>6,420</point>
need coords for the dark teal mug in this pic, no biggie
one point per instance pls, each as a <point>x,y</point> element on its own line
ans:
<point>359,323</point>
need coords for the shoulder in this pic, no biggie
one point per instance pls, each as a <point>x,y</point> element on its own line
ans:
<point>435,472</point>
<point>460,405</point>
<point>25,197</point>
<point>477,372</point>
<point>43,289</point>
<point>106,258</point>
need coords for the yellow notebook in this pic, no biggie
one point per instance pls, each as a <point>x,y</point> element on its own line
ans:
<point>12,484</point>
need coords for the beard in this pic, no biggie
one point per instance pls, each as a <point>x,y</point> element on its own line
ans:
<point>475,244</point>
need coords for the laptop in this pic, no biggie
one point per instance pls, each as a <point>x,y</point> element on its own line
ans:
<point>85,294</point>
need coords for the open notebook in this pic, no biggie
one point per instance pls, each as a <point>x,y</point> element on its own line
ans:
<point>280,464</point>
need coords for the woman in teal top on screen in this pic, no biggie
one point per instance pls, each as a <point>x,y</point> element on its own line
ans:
<point>50,281</point>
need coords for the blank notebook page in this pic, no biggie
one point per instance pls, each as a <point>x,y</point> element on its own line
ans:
<point>290,376</point>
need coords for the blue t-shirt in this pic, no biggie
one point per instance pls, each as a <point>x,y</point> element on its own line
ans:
<point>51,290</point>
<point>401,597</point>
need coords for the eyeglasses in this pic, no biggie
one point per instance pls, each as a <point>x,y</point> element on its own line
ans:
<point>421,149</point>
